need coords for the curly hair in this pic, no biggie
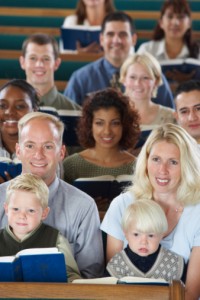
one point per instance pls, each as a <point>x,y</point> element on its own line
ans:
<point>106,99</point>
<point>181,6</point>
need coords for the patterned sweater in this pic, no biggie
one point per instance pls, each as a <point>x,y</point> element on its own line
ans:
<point>168,265</point>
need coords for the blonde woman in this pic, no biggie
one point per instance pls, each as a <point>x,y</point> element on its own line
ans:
<point>167,172</point>
<point>141,75</point>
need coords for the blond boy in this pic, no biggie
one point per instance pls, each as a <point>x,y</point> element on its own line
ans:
<point>144,224</point>
<point>26,207</point>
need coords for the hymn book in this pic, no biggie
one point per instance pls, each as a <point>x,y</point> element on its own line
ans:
<point>34,265</point>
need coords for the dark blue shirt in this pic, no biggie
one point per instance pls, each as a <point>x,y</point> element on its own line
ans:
<point>97,75</point>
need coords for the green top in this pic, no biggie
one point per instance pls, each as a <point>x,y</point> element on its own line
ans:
<point>75,166</point>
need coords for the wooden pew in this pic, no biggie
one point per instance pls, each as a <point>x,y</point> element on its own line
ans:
<point>82,57</point>
<point>60,84</point>
<point>21,290</point>
<point>52,12</point>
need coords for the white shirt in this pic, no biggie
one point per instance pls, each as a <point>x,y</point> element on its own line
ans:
<point>181,240</point>
<point>158,49</point>
<point>72,21</point>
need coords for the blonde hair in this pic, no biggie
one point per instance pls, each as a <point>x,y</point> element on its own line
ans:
<point>147,216</point>
<point>149,62</point>
<point>41,116</point>
<point>29,183</point>
<point>188,190</point>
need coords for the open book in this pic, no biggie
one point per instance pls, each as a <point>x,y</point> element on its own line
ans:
<point>180,70</point>
<point>70,119</point>
<point>106,186</point>
<point>124,280</point>
<point>34,265</point>
<point>86,35</point>
<point>13,167</point>
<point>145,131</point>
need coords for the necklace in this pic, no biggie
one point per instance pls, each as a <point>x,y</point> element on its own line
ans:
<point>179,209</point>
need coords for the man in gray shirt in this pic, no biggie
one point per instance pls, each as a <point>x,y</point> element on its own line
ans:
<point>40,59</point>
<point>72,212</point>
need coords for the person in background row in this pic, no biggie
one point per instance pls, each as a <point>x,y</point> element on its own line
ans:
<point>172,37</point>
<point>167,172</point>
<point>17,98</point>
<point>187,104</point>
<point>117,38</point>
<point>72,212</point>
<point>89,13</point>
<point>26,206</point>
<point>40,59</point>
<point>109,127</point>
<point>144,224</point>
<point>141,75</point>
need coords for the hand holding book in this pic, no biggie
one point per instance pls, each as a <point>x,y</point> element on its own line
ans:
<point>9,168</point>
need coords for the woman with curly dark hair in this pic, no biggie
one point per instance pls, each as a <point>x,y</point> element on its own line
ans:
<point>172,37</point>
<point>109,126</point>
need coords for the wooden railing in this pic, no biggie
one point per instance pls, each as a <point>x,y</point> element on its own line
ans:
<point>21,290</point>
<point>52,12</point>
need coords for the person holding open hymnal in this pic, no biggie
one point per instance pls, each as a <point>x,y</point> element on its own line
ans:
<point>141,76</point>
<point>26,206</point>
<point>144,224</point>
<point>87,15</point>
<point>17,98</point>
<point>109,126</point>
<point>172,41</point>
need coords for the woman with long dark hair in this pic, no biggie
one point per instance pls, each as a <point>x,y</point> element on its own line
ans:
<point>172,36</point>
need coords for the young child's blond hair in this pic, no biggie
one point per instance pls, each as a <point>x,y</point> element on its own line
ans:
<point>29,183</point>
<point>146,215</point>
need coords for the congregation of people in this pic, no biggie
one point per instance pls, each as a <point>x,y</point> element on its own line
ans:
<point>131,123</point>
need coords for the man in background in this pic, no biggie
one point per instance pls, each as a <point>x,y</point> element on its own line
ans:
<point>117,38</point>
<point>187,105</point>
<point>72,212</point>
<point>40,59</point>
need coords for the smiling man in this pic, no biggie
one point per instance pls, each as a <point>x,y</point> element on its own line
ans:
<point>40,59</point>
<point>187,103</point>
<point>117,38</point>
<point>72,212</point>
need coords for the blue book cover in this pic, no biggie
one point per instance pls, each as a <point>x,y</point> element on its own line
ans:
<point>70,119</point>
<point>48,267</point>
<point>86,35</point>
<point>34,265</point>
<point>13,169</point>
<point>106,186</point>
<point>180,70</point>
<point>10,269</point>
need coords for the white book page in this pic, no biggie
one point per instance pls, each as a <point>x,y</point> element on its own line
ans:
<point>103,280</point>
<point>132,279</point>
<point>7,259</point>
<point>38,251</point>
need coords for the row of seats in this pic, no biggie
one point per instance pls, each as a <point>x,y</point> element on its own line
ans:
<point>10,68</point>
<point>17,23</point>
<point>147,5</point>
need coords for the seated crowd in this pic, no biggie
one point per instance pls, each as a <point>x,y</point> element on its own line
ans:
<point>154,222</point>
